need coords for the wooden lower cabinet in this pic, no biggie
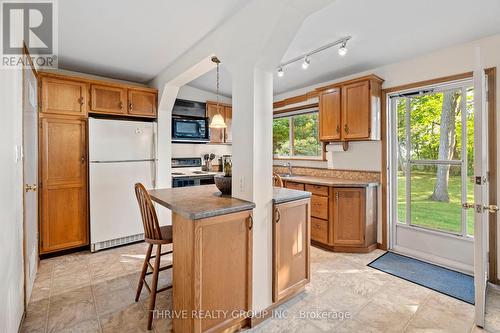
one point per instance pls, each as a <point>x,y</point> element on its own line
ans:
<point>212,272</point>
<point>291,248</point>
<point>343,219</point>
<point>63,171</point>
<point>355,218</point>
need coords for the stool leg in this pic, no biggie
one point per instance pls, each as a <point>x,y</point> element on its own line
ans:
<point>143,273</point>
<point>154,286</point>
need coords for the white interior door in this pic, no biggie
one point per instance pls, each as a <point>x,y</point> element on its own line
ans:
<point>481,198</point>
<point>30,176</point>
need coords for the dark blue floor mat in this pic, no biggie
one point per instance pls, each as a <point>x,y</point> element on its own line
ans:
<point>443,280</point>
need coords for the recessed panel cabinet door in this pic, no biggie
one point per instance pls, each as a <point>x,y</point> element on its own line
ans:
<point>141,103</point>
<point>356,110</point>
<point>349,216</point>
<point>291,244</point>
<point>107,99</point>
<point>329,115</point>
<point>63,97</point>
<point>64,182</point>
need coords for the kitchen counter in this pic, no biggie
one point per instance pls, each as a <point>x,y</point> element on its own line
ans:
<point>199,202</point>
<point>326,181</point>
<point>283,194</point>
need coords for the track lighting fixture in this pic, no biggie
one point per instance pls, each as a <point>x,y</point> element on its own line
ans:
<point>306,62</point>
<point>306,58</point>
<point>280,72</point>
<point>343,49</point>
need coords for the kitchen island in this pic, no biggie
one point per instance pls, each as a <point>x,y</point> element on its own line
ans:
<point>212,258</point>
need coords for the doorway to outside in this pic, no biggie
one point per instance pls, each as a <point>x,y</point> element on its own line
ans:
<point>432,173</point>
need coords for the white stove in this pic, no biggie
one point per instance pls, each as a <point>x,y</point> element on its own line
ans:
<point>188,172</point>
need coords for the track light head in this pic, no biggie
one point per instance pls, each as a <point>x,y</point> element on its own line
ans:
<point>306,62</point>
<point>343,49</point>
<point>281,73</point>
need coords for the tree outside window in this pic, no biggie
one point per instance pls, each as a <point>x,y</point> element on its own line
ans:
<point>297,136</point>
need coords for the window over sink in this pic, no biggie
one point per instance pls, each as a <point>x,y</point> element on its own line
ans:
<point>297,135</point>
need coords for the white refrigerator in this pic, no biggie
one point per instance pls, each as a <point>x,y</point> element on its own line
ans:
<point>121,153</point>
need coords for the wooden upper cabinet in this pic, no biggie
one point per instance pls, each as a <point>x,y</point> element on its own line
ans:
<point>63,221</point>
<point>228,113</point>
<point>329,114</point>
<point>141,103</point>
<point>291,248</point>
<point>216,134</point>
<point>108,99</point>
<point>356,110</point>
<point>349,216</point>
<point>64,97</point>
<point>350,110</point>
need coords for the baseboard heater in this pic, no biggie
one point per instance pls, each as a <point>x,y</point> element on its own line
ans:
<point>94,247</point>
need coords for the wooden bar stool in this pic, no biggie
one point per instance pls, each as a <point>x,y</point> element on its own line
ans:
<point>153,235</point>
<point>277,181</point>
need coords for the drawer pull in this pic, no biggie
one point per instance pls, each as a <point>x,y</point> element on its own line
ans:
<point>278,218</point>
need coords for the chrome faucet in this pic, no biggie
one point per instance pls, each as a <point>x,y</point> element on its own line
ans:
<point>289,166</point>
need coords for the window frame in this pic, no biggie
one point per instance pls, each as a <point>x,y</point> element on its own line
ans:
<point>291,116</point>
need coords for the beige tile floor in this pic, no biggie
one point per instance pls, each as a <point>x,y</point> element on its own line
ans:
<point>95,293</point>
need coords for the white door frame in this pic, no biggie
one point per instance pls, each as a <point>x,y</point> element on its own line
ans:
<point>437,241</point>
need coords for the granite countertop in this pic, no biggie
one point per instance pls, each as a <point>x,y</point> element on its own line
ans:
<point>327,181</point>
<point>282,194</point>
<point>198,202</point>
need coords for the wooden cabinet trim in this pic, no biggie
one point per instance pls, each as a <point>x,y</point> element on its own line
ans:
<point>98,81</point>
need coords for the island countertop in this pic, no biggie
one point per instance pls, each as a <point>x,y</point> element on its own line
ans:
<point>327,181</point>
<point>199,202</point>
<point>283,194</point>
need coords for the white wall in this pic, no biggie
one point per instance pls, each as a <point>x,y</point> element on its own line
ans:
<point>11,219</point>
<point>198,150</point>
<point>449,61</point>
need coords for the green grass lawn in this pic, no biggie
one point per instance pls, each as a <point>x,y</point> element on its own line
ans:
<point>432,214</point>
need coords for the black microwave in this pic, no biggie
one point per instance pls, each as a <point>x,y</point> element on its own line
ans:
<point>190,129</point>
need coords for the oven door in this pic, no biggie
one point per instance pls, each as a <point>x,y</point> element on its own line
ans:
<point>190,130</point>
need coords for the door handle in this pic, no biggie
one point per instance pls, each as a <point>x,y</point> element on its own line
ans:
<point>338,129</point>
<point>250,222</point>
<point>467,205</point>
<point>31,187</point>
<point>491,208</point>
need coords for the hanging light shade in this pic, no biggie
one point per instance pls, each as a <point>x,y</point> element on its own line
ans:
<point>218,119</point>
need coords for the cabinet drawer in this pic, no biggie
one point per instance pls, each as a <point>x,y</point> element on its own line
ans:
<point>319,230</point>
<point>295,186</point>
<point>317,189</point>
<point>319,207</point>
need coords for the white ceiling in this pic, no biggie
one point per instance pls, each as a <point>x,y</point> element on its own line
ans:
<point>133,39</point>
<point>383,32</point>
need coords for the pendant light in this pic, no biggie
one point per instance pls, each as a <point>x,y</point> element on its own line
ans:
<point>218,119</point>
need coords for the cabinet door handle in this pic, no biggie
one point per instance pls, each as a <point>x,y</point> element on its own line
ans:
<point>337,196</point>
<point>250,222</point>
<point>130,106</point>
<point>278,218</point>
<point>338,128</point>
<point>120,105</point>
<point>82,159</point>
<point>346,129</point>
<point>80,100</point>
